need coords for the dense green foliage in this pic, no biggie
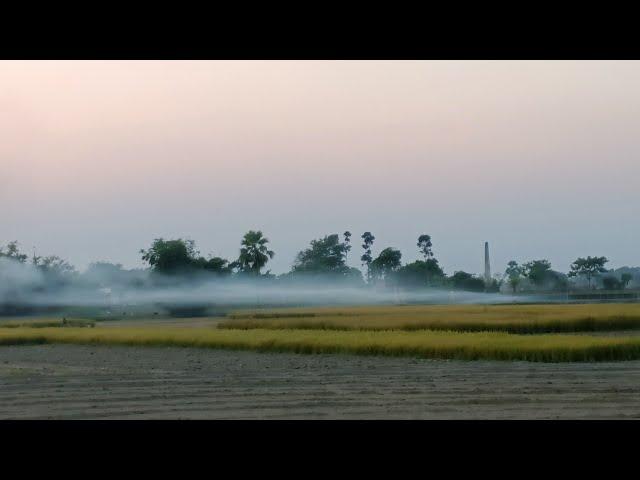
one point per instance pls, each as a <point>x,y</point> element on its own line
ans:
<point>421,273</point>
<point>514,274</point>
<point>386,264</point>
<point>541,276</point>
<point>325,258</point>
<point>588,267</point>
<point>180,257</point>
<point>537,271</point>
<point>325,255</point>
<point>466,281</point>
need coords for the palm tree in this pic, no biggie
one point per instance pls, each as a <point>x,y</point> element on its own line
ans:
<point>254,253</point>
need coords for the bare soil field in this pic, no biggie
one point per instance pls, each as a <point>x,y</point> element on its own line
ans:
<point>116,382</point>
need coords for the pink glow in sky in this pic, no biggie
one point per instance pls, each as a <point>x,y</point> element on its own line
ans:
<point>98,158</point>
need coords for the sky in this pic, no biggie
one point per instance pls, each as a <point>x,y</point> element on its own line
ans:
<point>539,158</point>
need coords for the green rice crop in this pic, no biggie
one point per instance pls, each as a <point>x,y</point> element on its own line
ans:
<point>467,318</point>
<point>425,344</point>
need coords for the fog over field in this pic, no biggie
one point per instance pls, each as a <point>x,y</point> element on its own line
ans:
<point>25,284</point>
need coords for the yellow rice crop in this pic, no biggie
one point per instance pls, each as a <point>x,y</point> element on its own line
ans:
<point>508,318</point>
<point>427,344</point>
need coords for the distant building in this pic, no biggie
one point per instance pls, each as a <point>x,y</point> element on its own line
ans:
<point>487,266</point>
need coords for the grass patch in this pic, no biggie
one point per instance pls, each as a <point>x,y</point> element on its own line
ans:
<point>426,344</point>
<point>466,318</point>
<point>48,323</point>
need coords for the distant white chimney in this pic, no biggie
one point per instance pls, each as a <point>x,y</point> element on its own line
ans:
<point>487,265</point>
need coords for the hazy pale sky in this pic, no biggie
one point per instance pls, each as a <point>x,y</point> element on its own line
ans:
<point>541,159</point>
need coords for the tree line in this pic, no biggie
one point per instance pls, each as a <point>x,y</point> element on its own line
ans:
<point>326,259</point>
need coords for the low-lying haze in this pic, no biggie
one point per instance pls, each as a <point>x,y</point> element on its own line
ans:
<point>24,287</point>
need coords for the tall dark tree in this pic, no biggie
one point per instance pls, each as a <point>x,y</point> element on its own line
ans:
<point>625,278</point>
<point>366,258</point>
<point>254,253</point>
<point>431,267</point>
<point>424,244</point>
<point>347,243</point>
<point>588,267</point>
